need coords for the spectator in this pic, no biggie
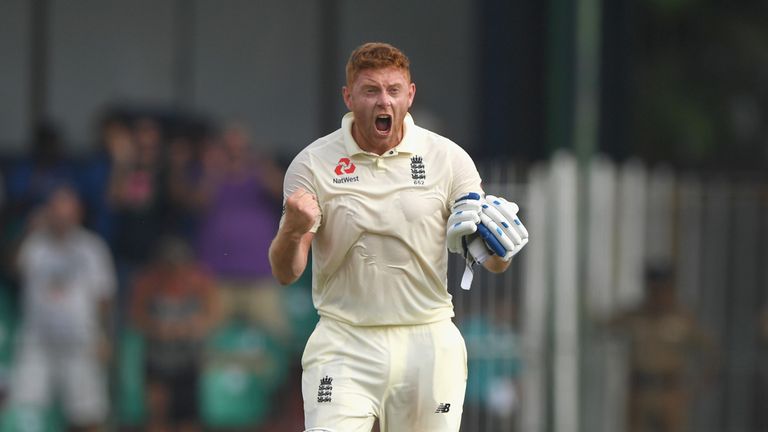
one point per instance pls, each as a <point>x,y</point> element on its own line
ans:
<point>30,179</point>
<point>67,282</point>
<point>185,169</point>
<point>239,197</point>
<point>174,305</point>
<point>664,340</point>
<point>136,195</point>
<point>114,135</point>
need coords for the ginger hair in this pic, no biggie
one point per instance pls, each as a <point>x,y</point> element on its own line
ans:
<point>376,55</point>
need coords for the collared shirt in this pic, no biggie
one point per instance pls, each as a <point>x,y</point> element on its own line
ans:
<point>379,255</point>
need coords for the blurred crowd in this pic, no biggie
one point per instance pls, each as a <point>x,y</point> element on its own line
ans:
<point>135,283</point>
<point>136,294</point>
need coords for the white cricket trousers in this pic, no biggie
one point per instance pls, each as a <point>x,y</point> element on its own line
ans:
<point>412,378</point>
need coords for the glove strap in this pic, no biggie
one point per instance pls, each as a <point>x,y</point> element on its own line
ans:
<point>474,253</point>
<point>466,279</point>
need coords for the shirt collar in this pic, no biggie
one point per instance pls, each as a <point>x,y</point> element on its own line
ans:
<point>407,144</point>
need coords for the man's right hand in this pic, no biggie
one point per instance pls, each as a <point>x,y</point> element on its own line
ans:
<point>301,212</point>
<point>288,251</point>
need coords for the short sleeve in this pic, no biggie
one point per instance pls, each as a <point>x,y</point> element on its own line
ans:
<point>465,177</point>
<point>299,175</point>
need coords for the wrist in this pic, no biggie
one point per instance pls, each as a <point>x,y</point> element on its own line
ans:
<point>496,264</point>
<point>292,234</point>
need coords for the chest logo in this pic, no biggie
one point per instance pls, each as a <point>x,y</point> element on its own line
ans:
<point>345,166</point>
<point>325,389</point>
<point>418,172</point>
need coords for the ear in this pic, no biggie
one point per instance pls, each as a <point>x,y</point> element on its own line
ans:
<point>411,94</point>
<point>347,97</point>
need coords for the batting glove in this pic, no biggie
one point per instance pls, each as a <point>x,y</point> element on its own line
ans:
<point>504,234</point>
<point>463,221</point>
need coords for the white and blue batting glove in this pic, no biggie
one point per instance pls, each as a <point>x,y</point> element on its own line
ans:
<point>479,227</point>
<point>463,221</point>
<point>462,236</point>
<point>505,235</point>
<point>492,219</point>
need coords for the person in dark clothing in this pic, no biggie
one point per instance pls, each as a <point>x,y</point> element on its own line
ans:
<point>174,304</point>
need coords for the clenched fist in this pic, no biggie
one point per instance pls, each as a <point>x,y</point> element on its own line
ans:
<point>301,212</point>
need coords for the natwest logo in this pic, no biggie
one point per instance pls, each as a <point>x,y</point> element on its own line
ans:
<point>345,166</point>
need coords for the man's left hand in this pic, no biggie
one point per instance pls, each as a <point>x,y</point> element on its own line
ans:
<point>463,221</point>
<point>505,234</point>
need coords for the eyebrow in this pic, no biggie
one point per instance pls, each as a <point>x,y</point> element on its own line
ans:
<point>376,85</point>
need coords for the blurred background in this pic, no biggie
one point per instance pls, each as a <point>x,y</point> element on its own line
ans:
<point>142,146</point>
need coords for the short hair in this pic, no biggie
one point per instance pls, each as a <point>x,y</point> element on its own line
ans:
<point>376,55</point>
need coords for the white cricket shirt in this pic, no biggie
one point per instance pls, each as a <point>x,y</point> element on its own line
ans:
<point>379,255</point>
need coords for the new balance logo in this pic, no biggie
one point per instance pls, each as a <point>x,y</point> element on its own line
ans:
<point>443,408</point>
<point>325,389</point>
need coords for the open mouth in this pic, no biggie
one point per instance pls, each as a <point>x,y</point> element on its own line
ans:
<point>383,123</point>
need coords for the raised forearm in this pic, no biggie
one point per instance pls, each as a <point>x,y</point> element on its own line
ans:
<point>289,250</point>
<point>288,255</point>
